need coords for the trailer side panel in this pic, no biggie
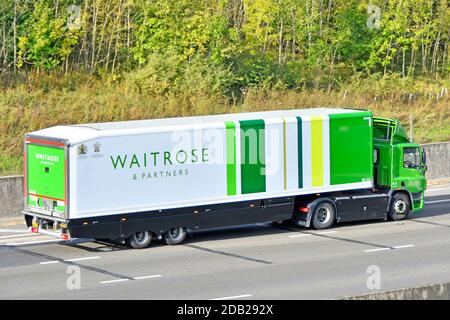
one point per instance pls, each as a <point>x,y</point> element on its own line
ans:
<point>221,163</point>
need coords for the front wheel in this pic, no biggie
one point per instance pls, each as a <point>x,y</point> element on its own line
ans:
<point>400,207</point>
<point>324,216</point>
<point>175,236</point>
<point>140,240</point>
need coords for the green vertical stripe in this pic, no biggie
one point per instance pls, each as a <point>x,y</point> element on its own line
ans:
<point>231,157</point>
<point>284,154</point>
<point>300,152</point>
<point>317,151</point>
<point>253,176</point>
<point>350,148</point>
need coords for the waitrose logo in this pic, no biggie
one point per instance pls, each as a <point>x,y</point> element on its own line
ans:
<point>159,158</point>
<point>47,157</point>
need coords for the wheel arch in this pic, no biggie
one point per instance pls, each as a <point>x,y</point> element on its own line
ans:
<point>312,207</point>
<point>404,191</point>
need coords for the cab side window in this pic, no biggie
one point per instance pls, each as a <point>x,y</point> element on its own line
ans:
<point>411,157</point>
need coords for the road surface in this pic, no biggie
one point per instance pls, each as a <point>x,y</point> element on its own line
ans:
<point>249,262</point>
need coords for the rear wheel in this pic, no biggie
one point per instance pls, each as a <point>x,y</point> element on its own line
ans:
<point>140,240</point>
<point>175,236</point>
<point>400,207</point>
<point>324,216</point>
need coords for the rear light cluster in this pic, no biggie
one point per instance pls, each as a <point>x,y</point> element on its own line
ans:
<point>58,229</point>
<point>65,236</point>
<point>303,209</point>
<point>64,233</point>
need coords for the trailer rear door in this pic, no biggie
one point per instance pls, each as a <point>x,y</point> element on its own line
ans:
<point>45,178</point>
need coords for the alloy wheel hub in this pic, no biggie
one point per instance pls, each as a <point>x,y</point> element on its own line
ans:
<point>400,206</point>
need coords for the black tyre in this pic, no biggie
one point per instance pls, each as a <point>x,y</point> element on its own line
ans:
<point>400,207</point>
<point>140,240</point>
<point>175,236</point>
<point>324,216</point>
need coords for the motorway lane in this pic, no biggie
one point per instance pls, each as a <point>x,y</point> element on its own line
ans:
<point>252,262</point>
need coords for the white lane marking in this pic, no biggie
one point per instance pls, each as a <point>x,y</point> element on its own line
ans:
<point>14,230</point>
<point>31,242</point>
<point>135,278</point>
<point>378,249</point>
<point>326,232</point>
<point>71,260</point>
<point>300,235</point>
<point>81,259</point>
<point>17,236</point>
<point>437,201</point>
<point>148,277</point>
<point>233,297</point>
<point>116,280</point>
<point>49,262</point>
<point>405,246</point>
<point>390,248</point>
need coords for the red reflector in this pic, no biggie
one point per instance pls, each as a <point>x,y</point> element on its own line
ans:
<point>34,230</point>
<point>64,236</point>
<point>303,209</point>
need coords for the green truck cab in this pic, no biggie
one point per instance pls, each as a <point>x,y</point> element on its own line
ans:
<point>398,185</point>
<point>399,165</point>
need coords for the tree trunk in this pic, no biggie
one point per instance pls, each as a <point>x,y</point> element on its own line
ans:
<point>435,54</point>
<point>128,33</point>
<point>403,62</point>
<point>280,42</point>
<point>15,35</point>
<point>94,35</point>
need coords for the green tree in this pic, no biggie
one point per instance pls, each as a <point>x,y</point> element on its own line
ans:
<point>48,42</point>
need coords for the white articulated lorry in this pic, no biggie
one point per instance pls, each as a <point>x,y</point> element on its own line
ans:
<point>140,180</point>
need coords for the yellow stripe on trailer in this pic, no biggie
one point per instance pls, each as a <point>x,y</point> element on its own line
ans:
<point>317,151</point>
